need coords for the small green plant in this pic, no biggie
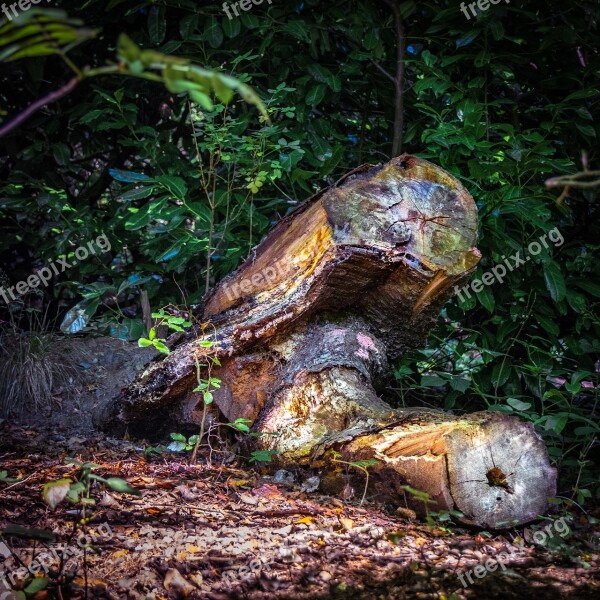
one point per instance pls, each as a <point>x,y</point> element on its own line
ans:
<point>443,517</point>
<point>79,491</point>
<point>32,584</point>
<point>173,322</point>
<point>263,455</point>
<point>180,443</point>
<point>242,425</point>
<point>361,465</point>
<point>424,498</point>
<point>206,384</point>
<point>150,450</point>
<point>5,478</point>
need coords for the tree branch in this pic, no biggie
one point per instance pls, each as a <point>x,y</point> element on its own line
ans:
<point>398,79</point>
<point>378,66</point>
<point>35,106</point>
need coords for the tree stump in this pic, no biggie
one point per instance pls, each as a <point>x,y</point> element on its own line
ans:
<point>305,328</point>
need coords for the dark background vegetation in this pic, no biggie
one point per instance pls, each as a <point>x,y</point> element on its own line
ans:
<point>504,102</point>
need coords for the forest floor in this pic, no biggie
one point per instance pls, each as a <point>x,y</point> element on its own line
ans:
<point>225,531</point>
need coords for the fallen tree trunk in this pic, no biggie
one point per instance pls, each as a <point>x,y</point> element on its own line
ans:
<point>304,330</point>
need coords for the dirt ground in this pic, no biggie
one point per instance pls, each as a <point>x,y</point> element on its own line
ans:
<point>227,531</point>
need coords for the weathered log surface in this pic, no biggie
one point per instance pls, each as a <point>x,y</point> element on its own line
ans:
<point>306,326</point>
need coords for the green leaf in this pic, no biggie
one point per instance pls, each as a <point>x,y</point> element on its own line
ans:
<point>486,298</point>
<point>324,75</point>
<point>28,533</point>
<point>460,384</point>
<point>176,446</point>
<point>54,492</point>
<point>588,286</point>
<point>208,398</point>
<point>501,373</point>
<point>586,129</point>
<point>432,381</point>
<point>518,404</point>
<point>202,99</point>
<point>178,437</point>
<point>363,464</point>
<point>262,455</point>
<point>161,346</point>
<point>37,585</point>
<point>137,193</point>
<point>223,92</point>
<point>241,424</point>
<point>548,324</point>
<point>188,25</point>
<point>127,50</point>
<point>231,27</point>
<point>175,185</point>
<point>418,494</point>
<point>121,486</point>
<point>316,95</point>
<point>62,154</point>
<point>4,477</point>
<point>139,217</point>
<point>157,24</point>
<point>144,343</point>
<point>74,492</point>
<point>213,33</point>
<point>555,282</point>
<point>298,29</point>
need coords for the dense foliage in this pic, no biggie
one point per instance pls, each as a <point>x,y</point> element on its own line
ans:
<point>184,186</point>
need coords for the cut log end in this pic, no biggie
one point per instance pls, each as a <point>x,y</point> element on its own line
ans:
<point>492,468</point>
<point>499,473</point>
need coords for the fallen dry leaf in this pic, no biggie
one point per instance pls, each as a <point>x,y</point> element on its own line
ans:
<point>238,482</point>
<point>248,499</point>
<point>268,491</point>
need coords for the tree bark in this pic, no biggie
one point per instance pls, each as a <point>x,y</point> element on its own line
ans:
<point>304,330</point>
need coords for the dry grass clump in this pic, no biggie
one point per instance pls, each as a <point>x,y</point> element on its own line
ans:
<point>31,368</point>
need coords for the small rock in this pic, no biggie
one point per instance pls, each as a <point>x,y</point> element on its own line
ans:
<point>406,513</point>
<point>283,530</point>
<point>176,582</point>
<point>325,575</point>
<point>108,501</point>
<point>283,476</point>
<point>348,492</point>
<point>311,484</point>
